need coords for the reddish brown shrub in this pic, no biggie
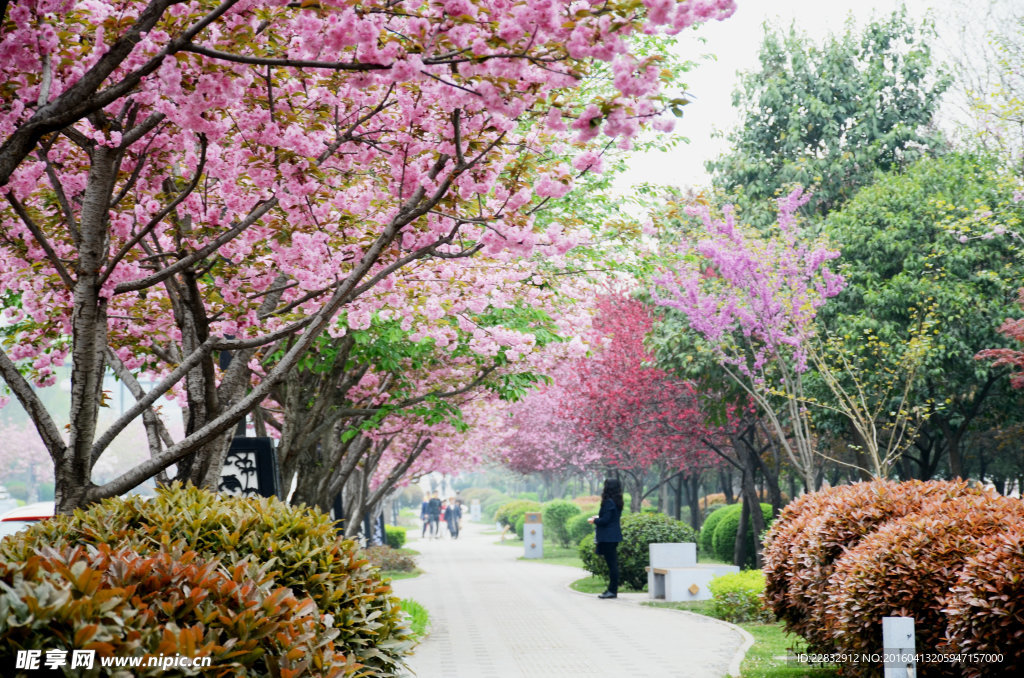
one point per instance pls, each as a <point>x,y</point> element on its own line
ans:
<point>778,552</point>
<point>846,517</point>
<point>907,568</point>
<point>985,609</point>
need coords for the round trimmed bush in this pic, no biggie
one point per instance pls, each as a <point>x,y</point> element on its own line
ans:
<point>555,515</point>
<point>579,526</point>
<point>985,609</point>
<point>306,553</point>
<point>520,526</point>
<point>394,536</point>
<point>490,505</point>
<point>707,531</point>
<point>723,541</point>
<point>907,568</point>
<point>801,549</point>
<point>510,512</point>
<point>639,531</point>
<point>739,598</point>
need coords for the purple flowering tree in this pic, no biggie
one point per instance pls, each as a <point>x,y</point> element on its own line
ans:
<point>753,298</point>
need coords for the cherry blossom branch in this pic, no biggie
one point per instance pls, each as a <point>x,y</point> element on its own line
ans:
<point>41,238</point>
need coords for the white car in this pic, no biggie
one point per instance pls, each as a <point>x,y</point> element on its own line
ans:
<point>18,519</point>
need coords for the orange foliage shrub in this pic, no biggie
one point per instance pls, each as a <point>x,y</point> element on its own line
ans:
<point>985,609</point>
<point>907,568</point>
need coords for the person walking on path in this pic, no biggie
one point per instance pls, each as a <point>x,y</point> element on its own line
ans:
<point>435,516</point>
<point>608,532</point>
<point>425,515</point>
<point>452,514</point>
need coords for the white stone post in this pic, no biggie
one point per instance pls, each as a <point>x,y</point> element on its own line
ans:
<point>533,536</point>
<point>474,510</point>
<point>898,645</point>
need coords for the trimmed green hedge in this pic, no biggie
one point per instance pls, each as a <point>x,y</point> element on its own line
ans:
<point>579,526</point>
<point>394,536</point>
<point>739,597</point>
<point>724,539</point>
<point>509,513</point>
<point>555,516</point>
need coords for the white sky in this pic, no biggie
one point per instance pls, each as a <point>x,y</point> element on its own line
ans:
<point>735,43</point>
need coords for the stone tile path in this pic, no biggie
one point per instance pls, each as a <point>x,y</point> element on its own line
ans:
<point>494,616</point>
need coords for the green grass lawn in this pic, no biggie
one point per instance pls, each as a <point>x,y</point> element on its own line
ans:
<point>400,574</point>
<point>418,614</point>
<point>767,657</point>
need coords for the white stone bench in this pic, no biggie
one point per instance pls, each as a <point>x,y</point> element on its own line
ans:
<point>674,574</point>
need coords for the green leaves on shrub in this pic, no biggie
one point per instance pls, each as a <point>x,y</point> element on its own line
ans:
<point>706,543</point>
<point>639,531</point>
<point>723,540</point>
<point>739,597</point>
<point>556,515</point>
<point>509,513</point>
<point>394,536</point>
<point>300,546</point>
<point>119,603</point>
<point>579,526</point>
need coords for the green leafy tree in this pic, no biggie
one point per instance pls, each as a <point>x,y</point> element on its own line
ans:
<point>905,254</point>
<point>827,117</point>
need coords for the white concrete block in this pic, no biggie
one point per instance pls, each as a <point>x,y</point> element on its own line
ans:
<point>673,555</point>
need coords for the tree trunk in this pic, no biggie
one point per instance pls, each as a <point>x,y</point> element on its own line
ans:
<point>692,486</point>
<point>725,480</point>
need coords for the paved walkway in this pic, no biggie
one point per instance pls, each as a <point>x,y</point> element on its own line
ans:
<point>493,616</point>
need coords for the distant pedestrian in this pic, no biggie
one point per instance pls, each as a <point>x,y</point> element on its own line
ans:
<point>435,516</point>
<point>608,532</point>
<point>425,515</point>
<point>452,514</point>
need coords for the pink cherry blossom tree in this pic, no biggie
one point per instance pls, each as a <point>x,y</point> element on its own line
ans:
<point>185,179</point>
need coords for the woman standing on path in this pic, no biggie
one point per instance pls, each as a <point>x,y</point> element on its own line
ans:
<point>608,532</point>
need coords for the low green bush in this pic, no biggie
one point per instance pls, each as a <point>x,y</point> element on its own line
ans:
<point>301,546</point>
<point>394,536</point>
<point>490,505</point>
<point>706,543</point>
<point>512,511</point>
<point>724,539</point>
<point>639,531</point>
<point>123,604</point>
<point>579,526</point>
<point>555,515</point>
<point>740,598</point>
<point>520,526</point>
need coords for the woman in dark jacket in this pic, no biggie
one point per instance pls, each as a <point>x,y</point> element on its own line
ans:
<point>608,532</point>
